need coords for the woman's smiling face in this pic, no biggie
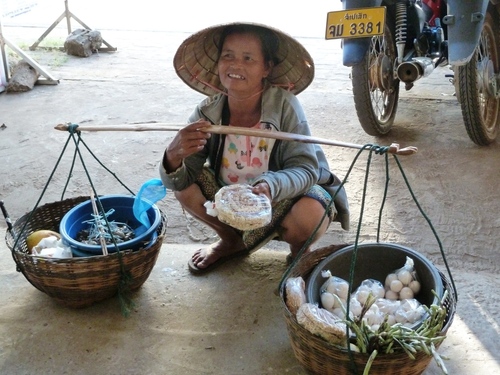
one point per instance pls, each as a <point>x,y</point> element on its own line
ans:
<point>241,65</point>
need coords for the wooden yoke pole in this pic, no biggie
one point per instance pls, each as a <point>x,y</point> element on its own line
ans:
<point>218,129</point>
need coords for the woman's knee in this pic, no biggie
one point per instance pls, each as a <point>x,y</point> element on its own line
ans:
<point>304,217</point>
<point>306,209</point>
<point>191,195</point>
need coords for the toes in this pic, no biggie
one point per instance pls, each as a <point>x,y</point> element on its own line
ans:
<point>201,258</point>
<point>201,264</point>
<point>196,255</point>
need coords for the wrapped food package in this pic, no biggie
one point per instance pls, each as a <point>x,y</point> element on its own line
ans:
<point>295,295</point>
<point>238,207</point>
<point>323,323</point>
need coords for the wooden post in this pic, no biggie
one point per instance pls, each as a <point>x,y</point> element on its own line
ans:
<point>68,15</point>
<point>4,63</point>
<point>50,80</point>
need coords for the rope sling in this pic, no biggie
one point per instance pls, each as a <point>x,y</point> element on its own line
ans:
<point>126,303</point>
<point>381,150</point>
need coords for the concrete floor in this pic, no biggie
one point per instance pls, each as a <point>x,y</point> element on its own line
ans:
<point>227,322</point>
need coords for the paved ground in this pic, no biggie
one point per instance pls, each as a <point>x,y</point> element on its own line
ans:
<point>230,322</point>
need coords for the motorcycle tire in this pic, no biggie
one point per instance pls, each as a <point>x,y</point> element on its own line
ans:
<point>375,89</point>
<point>480,107</point>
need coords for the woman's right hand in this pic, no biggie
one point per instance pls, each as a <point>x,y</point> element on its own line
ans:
<point>189,140</point>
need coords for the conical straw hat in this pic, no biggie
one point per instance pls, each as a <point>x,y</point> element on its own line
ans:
<point>196,61</point>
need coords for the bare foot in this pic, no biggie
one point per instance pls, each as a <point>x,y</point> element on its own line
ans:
<point>203,258</point>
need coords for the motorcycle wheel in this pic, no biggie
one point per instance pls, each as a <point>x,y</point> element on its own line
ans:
<point>375,89</point>
<point>480,107</point>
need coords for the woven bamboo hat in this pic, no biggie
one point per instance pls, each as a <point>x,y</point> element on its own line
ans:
<point>196,60</point>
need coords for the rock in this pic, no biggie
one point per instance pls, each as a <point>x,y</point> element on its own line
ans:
<point>83,42</point>
<point>23,77</point>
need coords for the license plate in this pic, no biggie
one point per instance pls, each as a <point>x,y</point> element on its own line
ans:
<point>355,23</point>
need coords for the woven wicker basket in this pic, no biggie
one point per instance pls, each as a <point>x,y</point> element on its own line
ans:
<point>78,282</point>
<point>318,357</point>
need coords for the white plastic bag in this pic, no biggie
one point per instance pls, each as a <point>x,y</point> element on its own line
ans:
<point>295,295</point>
<point>51,247</point>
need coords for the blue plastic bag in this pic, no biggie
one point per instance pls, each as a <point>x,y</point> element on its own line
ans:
<point>150,193</point>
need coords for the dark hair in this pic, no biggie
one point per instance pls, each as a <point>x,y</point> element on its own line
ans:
<point>268,40</point>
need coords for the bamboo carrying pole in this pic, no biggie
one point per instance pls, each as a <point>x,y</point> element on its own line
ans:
<point>218,129</point>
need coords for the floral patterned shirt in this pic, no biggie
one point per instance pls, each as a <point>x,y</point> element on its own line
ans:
<point>246,157</point>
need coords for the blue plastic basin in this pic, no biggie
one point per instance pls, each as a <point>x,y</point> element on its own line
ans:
<point>73,222</point>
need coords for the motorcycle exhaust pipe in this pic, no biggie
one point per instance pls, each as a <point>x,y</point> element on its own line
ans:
<point>410,71</point>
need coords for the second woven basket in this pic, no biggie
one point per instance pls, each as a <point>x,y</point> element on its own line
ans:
<point>79,282</point>
<point>318,357</point>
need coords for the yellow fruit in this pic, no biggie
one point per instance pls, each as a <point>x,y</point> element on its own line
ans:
<point>34,238</point>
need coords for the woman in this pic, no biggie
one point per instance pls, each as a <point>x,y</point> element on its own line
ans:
<point>243,68</point>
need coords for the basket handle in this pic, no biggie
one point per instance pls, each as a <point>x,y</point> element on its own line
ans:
<point>6,216</point>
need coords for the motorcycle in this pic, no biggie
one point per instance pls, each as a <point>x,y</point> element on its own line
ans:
<point>388,43</point>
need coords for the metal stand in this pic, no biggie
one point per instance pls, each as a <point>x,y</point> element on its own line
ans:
<point>67,14</point>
